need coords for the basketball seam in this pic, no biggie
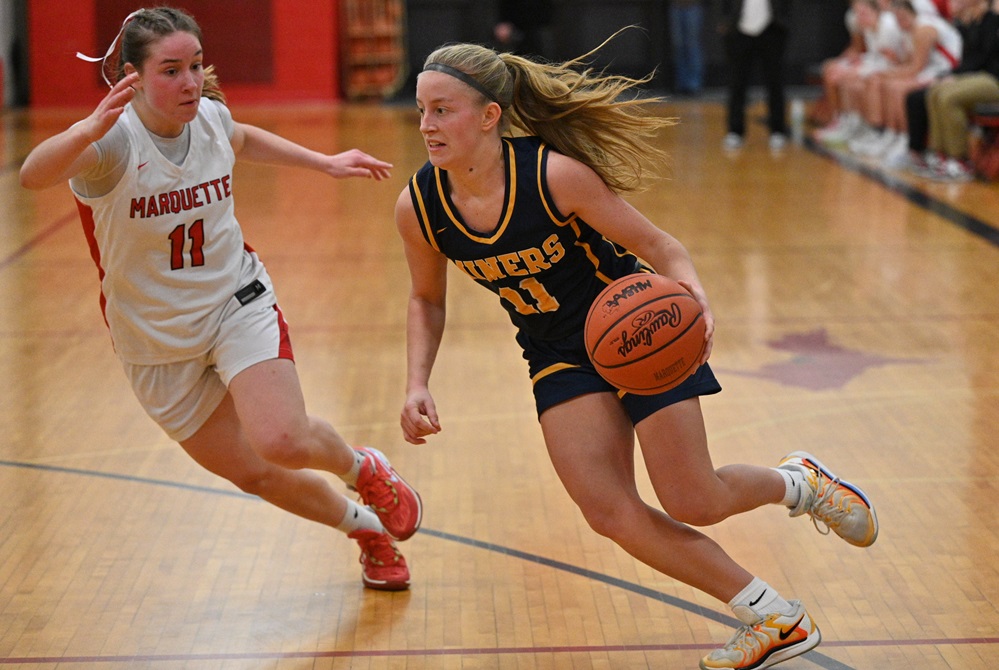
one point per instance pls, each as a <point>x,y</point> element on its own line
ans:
<point>651,353</point>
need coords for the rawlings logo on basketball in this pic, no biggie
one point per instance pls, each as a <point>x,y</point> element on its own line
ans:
<point>627,292</point>
<point>645,334</point>
<point>646,325</point>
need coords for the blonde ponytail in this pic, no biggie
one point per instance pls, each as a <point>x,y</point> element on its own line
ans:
<point>599,119</point>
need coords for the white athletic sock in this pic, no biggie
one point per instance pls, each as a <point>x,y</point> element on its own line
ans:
<point>756,601</point>
<point>350,477</point>
<point>793,482</point>
<point>359,517</point>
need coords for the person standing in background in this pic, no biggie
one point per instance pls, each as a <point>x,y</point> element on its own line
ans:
<point>755,30</point>
<point>686,18</point>
<point>524,27</point>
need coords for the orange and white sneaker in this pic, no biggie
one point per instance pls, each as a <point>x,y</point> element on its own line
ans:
<point>395,502</point>
<point>385,567</point>
<point>767,642</point>
<point>840,506</point>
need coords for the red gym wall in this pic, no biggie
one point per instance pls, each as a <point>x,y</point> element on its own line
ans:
<point>263,50</point>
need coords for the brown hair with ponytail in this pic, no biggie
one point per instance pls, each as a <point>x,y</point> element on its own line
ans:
<point>147,26</point>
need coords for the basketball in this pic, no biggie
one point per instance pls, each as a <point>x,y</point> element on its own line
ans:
<point>645,334</point>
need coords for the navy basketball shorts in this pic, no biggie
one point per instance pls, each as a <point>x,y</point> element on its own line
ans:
<point>560,370</point>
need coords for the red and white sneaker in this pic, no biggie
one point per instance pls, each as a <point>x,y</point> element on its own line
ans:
<point>953,170</point>
<point>395,502</point>
<point>385,567</point>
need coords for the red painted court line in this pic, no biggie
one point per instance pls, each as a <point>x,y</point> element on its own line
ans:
<point>474,651</point>
<point>36,240</point>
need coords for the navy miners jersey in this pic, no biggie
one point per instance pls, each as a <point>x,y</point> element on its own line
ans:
<point>546,267</point>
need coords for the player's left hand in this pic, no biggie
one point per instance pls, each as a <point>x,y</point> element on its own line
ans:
<point>709,319</point>
<point>356,163</point>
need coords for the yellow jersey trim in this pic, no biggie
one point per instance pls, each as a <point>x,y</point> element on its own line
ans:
<point>424,219</point>
<point>551,369</point>
<point>511,181</point>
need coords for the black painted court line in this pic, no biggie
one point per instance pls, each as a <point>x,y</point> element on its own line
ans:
<point>974,225</point>
<point>816,657</point>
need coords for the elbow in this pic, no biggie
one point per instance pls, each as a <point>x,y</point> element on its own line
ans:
<point>27,181</point>
<point>30,179</point>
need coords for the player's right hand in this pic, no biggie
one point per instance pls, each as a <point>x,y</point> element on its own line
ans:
<point>419,417</point>
<point>110,108</point>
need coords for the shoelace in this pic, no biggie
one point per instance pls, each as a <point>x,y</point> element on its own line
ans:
<point>747,641</point>
<point>835,515</point>
<point>378,552</point>
<point>382,495</point>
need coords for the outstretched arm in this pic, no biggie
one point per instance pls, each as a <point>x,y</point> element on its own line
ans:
<point>260,146</point>
<point>65,155</point>
<point>425,318</point>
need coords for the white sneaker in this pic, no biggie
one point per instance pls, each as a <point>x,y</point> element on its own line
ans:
<point>778,141</point>
<point>767,642</point>
<point>897,154</point>
<point>841,130</point>
<point>838,505</point>
<point>732,142</point>
<point>920,164</point>
<point>890,141</point>
<point>954,171</point>
<point>861,142</point>
<point>906,161</point>
<point>833,131</point>
<point>879,146</point>
<point>933,160</point>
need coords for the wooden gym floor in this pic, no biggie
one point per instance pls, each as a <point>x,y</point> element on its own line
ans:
<point>857,312</point>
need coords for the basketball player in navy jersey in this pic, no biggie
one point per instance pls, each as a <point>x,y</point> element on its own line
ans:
<point>190,307</point>
<point>539,221</point>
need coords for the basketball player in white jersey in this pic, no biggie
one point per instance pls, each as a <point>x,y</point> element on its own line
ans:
<point>190,308</point>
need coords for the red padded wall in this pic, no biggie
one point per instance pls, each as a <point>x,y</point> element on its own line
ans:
<point>263,50</point>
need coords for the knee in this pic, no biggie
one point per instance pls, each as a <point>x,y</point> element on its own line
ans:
<point>695,512</point>
<point>699,506</point>
<point>946,100</point>
<point>617,519</point>
<point>611,518</point>
<point>282,444</point>
<point>252,480</point>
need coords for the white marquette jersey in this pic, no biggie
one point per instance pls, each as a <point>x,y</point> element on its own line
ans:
<point>928,7</point>
<point>946,52</point>
<point>166,242</point>
<point>887,36</point>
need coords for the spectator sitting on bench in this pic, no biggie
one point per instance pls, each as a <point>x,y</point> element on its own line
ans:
<point>939,115</point>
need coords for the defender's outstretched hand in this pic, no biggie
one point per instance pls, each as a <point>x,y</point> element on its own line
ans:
<point>110,108</point>
<point>356,163</point>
